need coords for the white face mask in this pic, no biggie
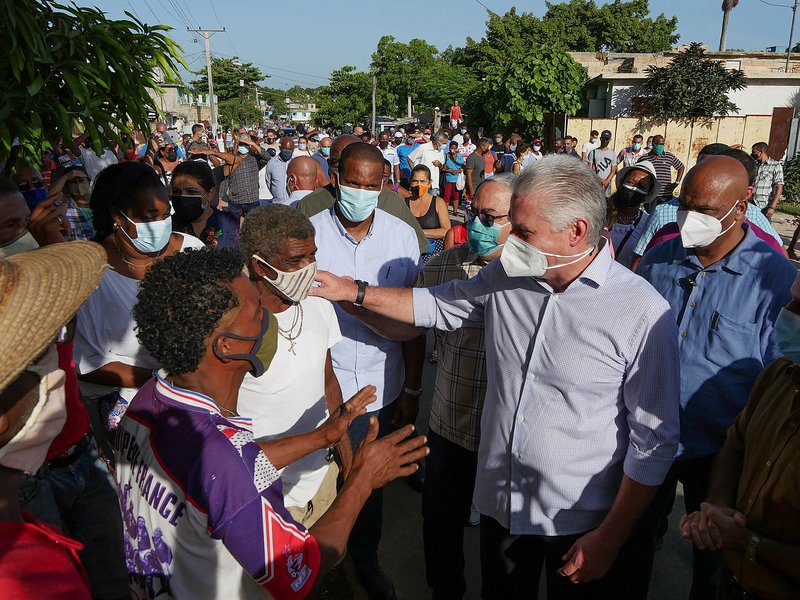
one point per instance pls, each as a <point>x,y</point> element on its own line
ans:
<point>537,148</point>
<point>520,259</point>
<point>293,285</point>
<point>27,450</point>
<point>22,243</point>
<point>698,230</point>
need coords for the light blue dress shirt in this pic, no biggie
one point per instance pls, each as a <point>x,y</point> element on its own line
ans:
<point>275,176</point>
<point>387,256</point>
<point>726,315</point>
<point>582,386</point>
<point>667,213</point>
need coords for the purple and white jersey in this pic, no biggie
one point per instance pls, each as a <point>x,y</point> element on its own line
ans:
<point>202,505</point>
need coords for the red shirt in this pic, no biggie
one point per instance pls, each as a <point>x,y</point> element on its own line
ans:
<point>38,562</point>
<point>455,113</point>
<point>77,423</point>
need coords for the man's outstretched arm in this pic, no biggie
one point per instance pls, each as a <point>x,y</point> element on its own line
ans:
<point>395,303</point>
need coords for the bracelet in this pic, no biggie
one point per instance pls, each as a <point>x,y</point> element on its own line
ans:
<point>752,546</point>
<point>410,392</point>
<point>362,290</point>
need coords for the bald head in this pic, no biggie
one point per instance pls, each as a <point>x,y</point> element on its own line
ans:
<point>338,145</point>
<point>716,179</point>
<point>302,174</point>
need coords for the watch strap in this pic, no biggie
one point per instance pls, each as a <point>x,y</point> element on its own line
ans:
<point>362,290</point>
<point>410,392</point>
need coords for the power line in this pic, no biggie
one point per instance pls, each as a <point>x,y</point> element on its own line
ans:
<point>484,6</point>
<point>772,4</point>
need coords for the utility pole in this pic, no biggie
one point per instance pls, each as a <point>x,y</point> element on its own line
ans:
<point>791,35</point>
<point>207,37</point>
<point>374,88</point>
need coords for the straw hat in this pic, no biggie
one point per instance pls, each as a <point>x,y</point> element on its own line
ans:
<point>40,290</point>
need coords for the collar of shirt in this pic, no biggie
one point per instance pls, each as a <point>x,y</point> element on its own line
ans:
<point>736,262</point>
<point>195,401</point>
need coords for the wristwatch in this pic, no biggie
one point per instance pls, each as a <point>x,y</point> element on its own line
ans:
<point>752,546</point>
<point>410,392</point>
<point>362,289</point>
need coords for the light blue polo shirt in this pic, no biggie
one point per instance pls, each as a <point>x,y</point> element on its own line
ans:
<point>387,256</point>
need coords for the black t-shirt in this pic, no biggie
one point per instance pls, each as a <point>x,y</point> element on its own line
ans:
<point>499,150</point>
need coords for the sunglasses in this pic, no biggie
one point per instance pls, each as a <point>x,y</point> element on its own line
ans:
<point>24,185</point>
<point>485,218</point>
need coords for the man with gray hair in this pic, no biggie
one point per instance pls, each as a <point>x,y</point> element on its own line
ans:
<point>291,406</point>
<point>580,421</point>
<point>431,154</point>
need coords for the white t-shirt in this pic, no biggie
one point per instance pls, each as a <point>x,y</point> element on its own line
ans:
<point>289,398</point>
<point>589,146</point>
<point>105,329</point>
<point>425,154</point>
<point>390,154</point>
<point>93,163</point>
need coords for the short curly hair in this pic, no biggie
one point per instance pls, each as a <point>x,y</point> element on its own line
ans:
<point>266,229</point>
<point>181,300</point>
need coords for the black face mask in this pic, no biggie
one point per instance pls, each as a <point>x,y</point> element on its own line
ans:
<point>188,208</point>
<point>630,197</point>
<point>384,144</point>
<point>171,155</point>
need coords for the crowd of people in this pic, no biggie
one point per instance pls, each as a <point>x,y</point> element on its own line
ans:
<point>213,353</point>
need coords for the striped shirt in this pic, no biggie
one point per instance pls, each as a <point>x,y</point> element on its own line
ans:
<point>663,163</point>
<point>582,387</point>
<point>461,375</point>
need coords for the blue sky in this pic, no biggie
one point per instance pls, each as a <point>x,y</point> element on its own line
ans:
<point>301,42</point>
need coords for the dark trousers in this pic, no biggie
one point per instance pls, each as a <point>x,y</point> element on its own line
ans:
<point>366,534</point>
<point>511,565</point>
<point>446,500</point>
<point>694,474</point>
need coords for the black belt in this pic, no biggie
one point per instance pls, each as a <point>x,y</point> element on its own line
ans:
<point>72,454</point>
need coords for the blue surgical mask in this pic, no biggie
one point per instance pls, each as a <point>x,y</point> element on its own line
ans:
<point>286,155</point>
<point>325,151</point>
<point>787,334</point>
<point>150,237</point>
<point>463,131</point>
<point>636,146</point>
<point>34,197</point>
<point>244,149</point>
<point>355,204</point>
<point>658,149</point>
<point>482,239</point>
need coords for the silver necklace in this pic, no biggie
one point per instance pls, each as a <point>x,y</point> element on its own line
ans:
<point>287,333</point>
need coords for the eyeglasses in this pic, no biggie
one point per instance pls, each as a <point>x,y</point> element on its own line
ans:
<point>25,185</point>
<point>485,218</point>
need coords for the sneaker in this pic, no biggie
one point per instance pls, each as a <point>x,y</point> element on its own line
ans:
<point>376,584</point>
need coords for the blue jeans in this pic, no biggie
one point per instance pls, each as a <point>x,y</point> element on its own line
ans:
<point>81,499</point>
<point>446,500</point>
<point>245,209</point>
<point>366,534</point>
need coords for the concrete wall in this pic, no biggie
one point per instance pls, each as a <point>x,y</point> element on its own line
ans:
<point>683,140</point>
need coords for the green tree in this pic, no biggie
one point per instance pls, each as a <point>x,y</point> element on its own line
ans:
<point>64,64</point>
<point>519,91</point>
<point>346,99</point>
<point>398,68</point>
<point>441,83</point>
<point>227,75</point>
<point>235,113</point>
<point>574,26</point>
<point>691,86</point>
